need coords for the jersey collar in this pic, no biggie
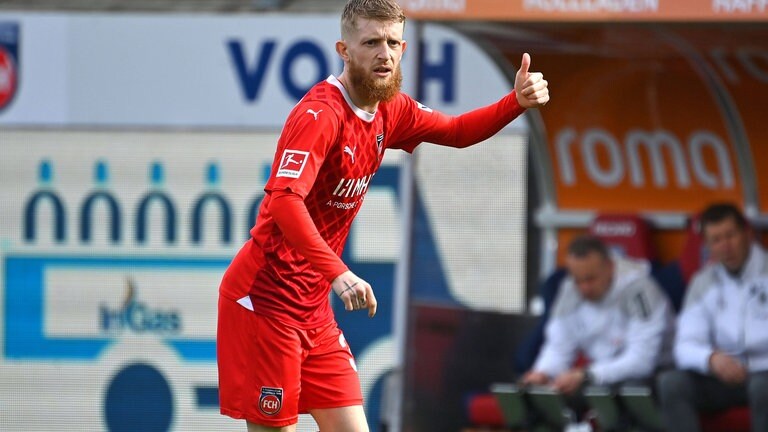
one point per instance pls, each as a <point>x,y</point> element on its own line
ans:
<point>362,114</point>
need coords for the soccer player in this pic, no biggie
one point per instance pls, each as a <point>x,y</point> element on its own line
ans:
<point>280,352</point>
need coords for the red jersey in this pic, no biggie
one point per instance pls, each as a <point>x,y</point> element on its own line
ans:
<point>328,152</point>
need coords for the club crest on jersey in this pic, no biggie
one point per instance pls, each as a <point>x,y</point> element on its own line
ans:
<point>271,400</point>
<point>292,163</point>
<point>379,141</point>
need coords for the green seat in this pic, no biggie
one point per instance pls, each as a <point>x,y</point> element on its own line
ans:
<point>512,403</point>
<point>639,403</point>
<point>603,403</point>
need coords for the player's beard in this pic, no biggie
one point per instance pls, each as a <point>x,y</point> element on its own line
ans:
<point>373,89</point>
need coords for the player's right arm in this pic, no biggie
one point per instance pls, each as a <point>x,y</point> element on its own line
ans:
<point>311,130</point>
<point>291,215</point>
<point>355,293</point>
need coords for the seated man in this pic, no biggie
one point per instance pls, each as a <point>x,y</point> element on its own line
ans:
<point>610,311</point>
<point>721,347</point>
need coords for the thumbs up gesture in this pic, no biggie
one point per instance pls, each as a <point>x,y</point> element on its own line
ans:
<point>530,87</point>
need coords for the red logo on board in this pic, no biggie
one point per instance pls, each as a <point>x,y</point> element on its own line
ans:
<point>9,62</point>
<point>8,77</point>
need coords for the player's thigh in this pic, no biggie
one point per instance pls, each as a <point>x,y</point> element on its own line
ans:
<point>253,427</point>
<point>259,367</point>
<point>329,374</point>
<point>342,419</point>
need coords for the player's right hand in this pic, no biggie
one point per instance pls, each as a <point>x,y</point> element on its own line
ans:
<point>355,293</point>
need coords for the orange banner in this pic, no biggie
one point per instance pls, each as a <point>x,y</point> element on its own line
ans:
<point>588,10</point>
<point>634,124</point>
<point>739,60</point>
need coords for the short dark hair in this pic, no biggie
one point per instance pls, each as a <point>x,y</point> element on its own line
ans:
<point>586,244</point>
<point>377,10</point>
<point>718,212</point>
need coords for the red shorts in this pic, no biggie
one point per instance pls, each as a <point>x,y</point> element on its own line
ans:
<point>270,372</point>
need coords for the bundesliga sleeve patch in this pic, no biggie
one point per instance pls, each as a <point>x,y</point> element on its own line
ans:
<point>292,163</point>
<point>271,400</point>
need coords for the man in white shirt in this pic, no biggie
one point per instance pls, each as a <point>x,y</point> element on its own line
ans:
<point>721,348</point>
<point>610,311</point>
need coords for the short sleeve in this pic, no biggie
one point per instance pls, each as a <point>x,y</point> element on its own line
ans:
<point>309,132</point>
<point>409,122</point>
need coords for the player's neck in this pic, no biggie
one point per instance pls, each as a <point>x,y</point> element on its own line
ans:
<point>356,96</point>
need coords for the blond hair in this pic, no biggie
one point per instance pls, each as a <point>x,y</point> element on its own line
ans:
<point>377,10</point>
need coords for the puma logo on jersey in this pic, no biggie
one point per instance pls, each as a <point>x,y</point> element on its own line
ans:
<point>314,113</point>
<point>351,152</point>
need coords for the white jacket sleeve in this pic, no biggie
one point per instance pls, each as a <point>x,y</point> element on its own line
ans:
<point>693,345</point>
<point>560,345</point>
<point>649,321</point>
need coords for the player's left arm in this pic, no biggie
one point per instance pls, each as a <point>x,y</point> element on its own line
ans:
<point>423,124</point>
<point>531,89</point>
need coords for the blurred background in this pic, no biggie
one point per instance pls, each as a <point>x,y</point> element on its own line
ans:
<point>136,137</point>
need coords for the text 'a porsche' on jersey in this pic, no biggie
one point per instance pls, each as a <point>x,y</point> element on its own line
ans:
<point>352,187</point>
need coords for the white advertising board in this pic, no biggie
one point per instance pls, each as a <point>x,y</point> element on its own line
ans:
<point>112,247</point>
<point>198,71</point>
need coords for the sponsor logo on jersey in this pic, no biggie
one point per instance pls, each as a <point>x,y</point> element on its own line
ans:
<point>292,163</point>
<point>271,400</point>
<point>349,188</point>
<point>423,107</point>
<point>9,62</point>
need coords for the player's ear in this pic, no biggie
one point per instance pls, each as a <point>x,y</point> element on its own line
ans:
<point>341,49</point>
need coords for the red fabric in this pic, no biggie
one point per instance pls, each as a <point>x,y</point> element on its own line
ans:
<point>483,410</point>
<point>317,369</point>
<point>292,217</point>
<point>628,234</point>
<point>421,124</point>
<point>732,420</point>
<point>269,380</point>
<point>693,255</point>
<point>327,154</point>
